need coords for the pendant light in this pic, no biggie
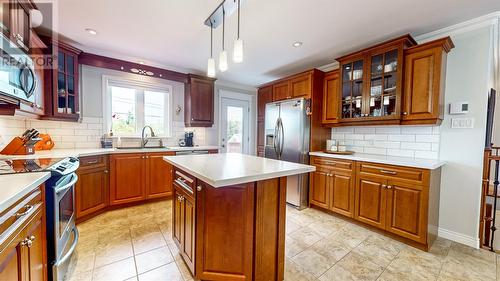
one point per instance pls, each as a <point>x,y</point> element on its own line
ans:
<point>211,61</point>
<point>238,43</point>
<point>223,53</point>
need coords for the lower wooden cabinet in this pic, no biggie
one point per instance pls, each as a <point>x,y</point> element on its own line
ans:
<point>23,254</point>
<point>127,178</point>
<point>159,175</point>
<point>92,188</point>
<point>401,200</point>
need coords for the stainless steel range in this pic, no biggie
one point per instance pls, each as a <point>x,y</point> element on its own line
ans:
<point>62,234</point>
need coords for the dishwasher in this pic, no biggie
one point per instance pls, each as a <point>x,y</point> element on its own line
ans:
<point>191,152</point>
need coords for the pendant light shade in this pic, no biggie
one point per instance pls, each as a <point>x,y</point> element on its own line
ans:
<point>211,61</point>
<point>223,61</point>
<point>238,43</point>
<point>223,54</point>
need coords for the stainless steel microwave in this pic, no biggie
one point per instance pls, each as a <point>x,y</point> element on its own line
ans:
<point>17,76</point>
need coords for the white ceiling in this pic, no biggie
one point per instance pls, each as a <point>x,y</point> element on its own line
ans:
<point>171,33</point>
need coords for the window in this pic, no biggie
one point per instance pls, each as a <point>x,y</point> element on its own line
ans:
<point>131,105</point>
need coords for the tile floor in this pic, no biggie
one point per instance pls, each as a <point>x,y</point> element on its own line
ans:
<point>136,244</point>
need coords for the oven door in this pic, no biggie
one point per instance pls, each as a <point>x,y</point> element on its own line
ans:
<point>64,212</point>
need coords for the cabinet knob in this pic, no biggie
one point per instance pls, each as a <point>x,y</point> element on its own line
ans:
<point>199,188</point>
<point>405,113</point>
<point>106,171</point>
<point>32,238</point>
<point>384,186</point>
<point>389,187</point>
<point>289,97</point>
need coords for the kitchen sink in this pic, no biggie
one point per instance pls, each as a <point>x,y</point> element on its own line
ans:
<point>138,147</point>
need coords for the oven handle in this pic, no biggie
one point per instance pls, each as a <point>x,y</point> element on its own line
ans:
<point>71,249</point>
<point>68,185</point>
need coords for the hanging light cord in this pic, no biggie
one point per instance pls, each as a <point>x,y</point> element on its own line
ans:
<point>211,39</point>
<point>223,26</point>
<point>238,19</point>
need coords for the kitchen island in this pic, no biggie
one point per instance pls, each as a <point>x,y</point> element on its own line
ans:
<point>229,214</point>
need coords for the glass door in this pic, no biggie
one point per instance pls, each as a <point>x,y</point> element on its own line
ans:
<point>383,84</point>
<point>352,89</point>
<point>66,84</point>
<point>235,126</point>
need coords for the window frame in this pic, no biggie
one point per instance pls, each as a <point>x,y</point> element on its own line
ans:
<point>138,86</point>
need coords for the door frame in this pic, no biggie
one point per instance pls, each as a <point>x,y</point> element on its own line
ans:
<point>228,94</point>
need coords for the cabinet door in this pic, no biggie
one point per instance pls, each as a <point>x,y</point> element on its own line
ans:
<point>301,86</point>
<point>407,210</point>
<point>371,200</point>
<point>11,260</point>
<point>159,175</point>
<point>260,132</point>
<point>331,100</point>
<point>281,91</point>
<point>20,24</point>
<point>424,84</point>
<point>352,89</point>
<point>178,216</point>
<point>201,102</point>
<point>188,233</point>
<point>342,193</point>
<point>36,254</point>
<point>128,178</point>
<point>91,191</point>
<point>319,187</point>
<point>265,95</point>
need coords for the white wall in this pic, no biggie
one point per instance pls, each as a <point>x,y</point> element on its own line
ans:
<point>468,78</point>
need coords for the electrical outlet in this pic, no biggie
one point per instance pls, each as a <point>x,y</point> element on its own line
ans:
<point>462,123</point>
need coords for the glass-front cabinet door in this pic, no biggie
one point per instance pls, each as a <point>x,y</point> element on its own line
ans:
<point>383,84</point>
<point>352,89</point>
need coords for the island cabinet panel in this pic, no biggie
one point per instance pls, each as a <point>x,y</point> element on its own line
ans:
<point>178,216</point>
<point>224,232</point>
<point>127,178</point>
<point>400,200</point>
<point>36,253</point>
<point>159,175</point>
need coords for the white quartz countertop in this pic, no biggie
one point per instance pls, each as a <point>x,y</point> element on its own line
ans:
<point>430,164</point>
<point>15,186</point>
<point>225,169</point>
<point>61,153</point>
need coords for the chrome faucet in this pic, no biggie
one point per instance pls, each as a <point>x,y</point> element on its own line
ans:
<point>144,139</point>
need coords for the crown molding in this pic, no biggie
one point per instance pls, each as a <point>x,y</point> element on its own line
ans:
<point>329,67</point>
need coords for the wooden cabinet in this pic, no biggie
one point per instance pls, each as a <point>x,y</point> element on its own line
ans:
<point>331,97</point>
<point>127,178</point>
<point>16,19</point>
<point>199,101</point>
<point>92,188</point>
<point>301,86</point>
<point>264,96</point>
<point>281,91</point>
<point>401,200</point>
<point>62,83</point>
<point>425,75</point>
<point>159,175</point>
<point>23,253</point>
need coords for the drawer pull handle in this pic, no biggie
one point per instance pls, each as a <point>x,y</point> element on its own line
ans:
<point>27,209</point>
<point>91,162</point>
<point>183,184</point>
<point>388,172</point>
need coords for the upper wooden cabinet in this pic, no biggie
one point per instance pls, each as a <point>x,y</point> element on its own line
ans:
<point>425,75</point>
<point>281,91</point>
<point>330,98</point>
<point>199,101</point>
<point>296,86</point>
<point>371,82</point>
<point>374,90</point>
<point>62,83</point>
<point>16,22</point>
<point>265,95</point>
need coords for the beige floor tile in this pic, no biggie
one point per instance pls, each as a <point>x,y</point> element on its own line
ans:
<point>174,251</point>
<point>353,267</point>
<point>319,258</point>
<point>153,259</point>
<point>83,276</point>
<point>378,249</point>
<point>168,272</point>
<point>293,246</point>
<point>185,272</point>
<point>112,252</point>
<point>331,249</point>
<point>307,235</point>
<point>81,262</point>
<point>294,272</point>
<point>477,253</point>
<point>440,247</point>
<point>326,227</point>
<point>413,265</point>
<point>350,238</point>
<point>118,271</point>
<point>148,242</point>
<point>462,266</point>
<point>291,225</point>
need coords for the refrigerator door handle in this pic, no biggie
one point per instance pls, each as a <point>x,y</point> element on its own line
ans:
<point>275,137</point>
<point>282,137</point>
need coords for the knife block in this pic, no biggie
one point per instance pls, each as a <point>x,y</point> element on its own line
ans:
<point>18,147</point>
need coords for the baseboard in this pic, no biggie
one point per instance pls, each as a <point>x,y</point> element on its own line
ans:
<point>459,237</point>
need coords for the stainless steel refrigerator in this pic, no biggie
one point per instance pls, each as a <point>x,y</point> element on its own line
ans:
<point>287,128</point>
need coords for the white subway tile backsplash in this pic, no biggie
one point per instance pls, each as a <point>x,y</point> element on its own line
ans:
<point>404,141</point>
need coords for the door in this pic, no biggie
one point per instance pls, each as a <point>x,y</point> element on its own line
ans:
<point>35,249</point>
<point>342,193</point>
<point>201,102</point>
<point>319,187</point>
<point>407,211</point>
<point>271,130</point>
<point>235,125</point>
<point>371,200</point>
<point>178,215</point>
<point>91,191</point>
<point>331,98</point>
<point>159,175</point>
<point>128,178</point>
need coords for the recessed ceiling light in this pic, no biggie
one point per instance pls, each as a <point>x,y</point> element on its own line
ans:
<point>91,31</point>
<point>141,62</point>
<point>297,44</point>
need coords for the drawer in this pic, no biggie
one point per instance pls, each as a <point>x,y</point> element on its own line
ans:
<point>184,181</point>
<point>333,163</point>
<point>395,172</point>
<point>94,161</point>
<point>20,211</point>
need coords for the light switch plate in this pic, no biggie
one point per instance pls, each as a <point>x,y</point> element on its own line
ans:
<point>462,123</point>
